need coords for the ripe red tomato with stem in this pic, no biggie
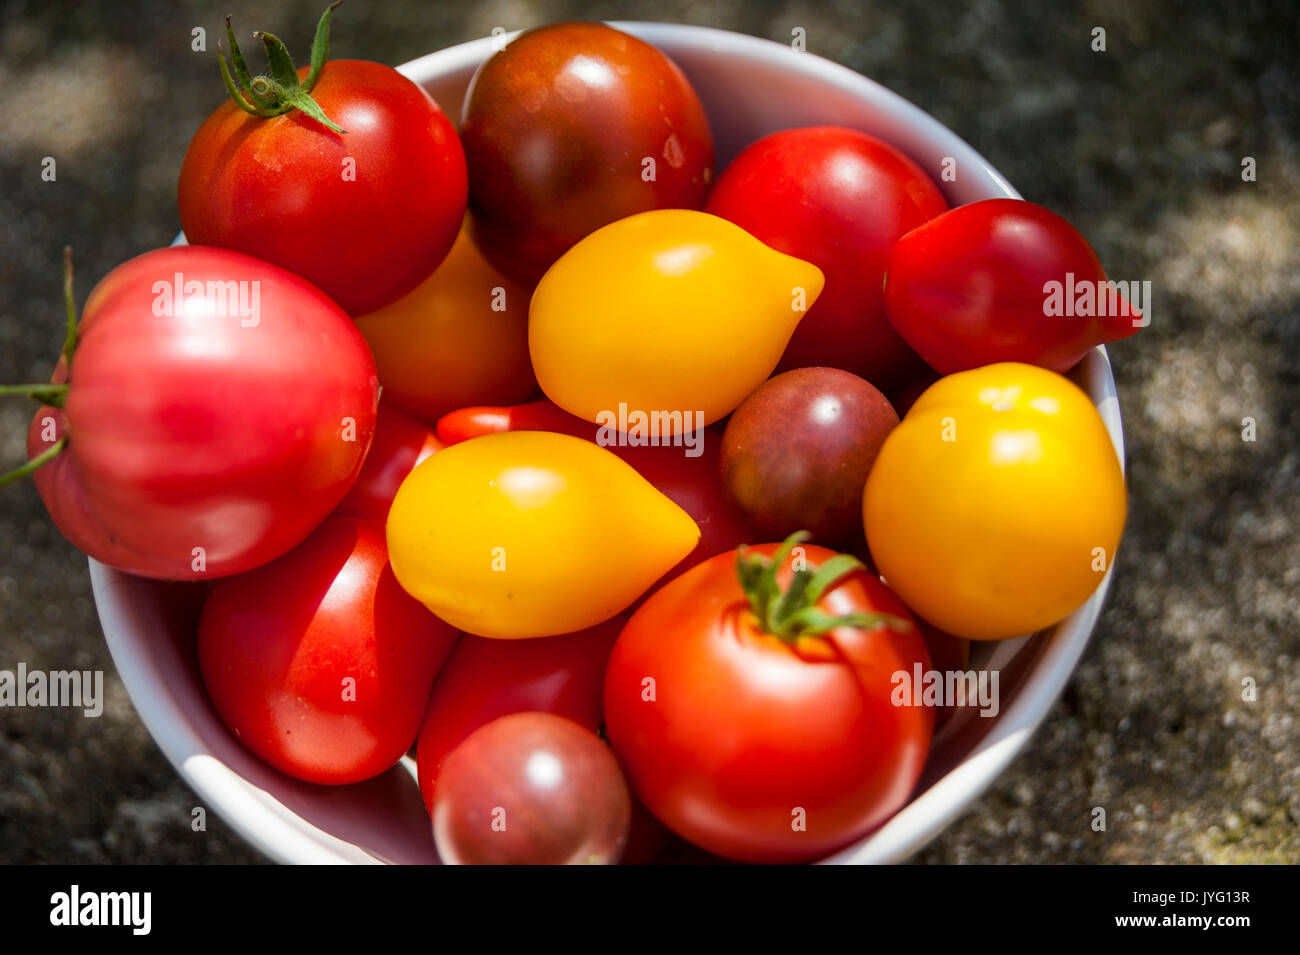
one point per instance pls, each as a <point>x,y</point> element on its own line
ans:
<point>484,679</point>
<point>531,789</point>
<point>749,703</point>
<point>839,199</point>
<point>570,127</point>
<point>319,662</point>
<point>972,287</point>
<point>401,442</point>
<point>208,412</point>
<point>347,173</point>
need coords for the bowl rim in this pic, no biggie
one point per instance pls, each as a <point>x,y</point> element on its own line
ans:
<point>283,836</point>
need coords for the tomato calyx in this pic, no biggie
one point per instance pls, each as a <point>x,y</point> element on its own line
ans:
<point>792,614</point>
<point>280,91</point>
<point>49,393</point>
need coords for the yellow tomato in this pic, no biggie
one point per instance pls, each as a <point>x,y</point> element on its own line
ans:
<point>459,339</point>
<point>666,311</point>
<point>996,506</point>
<point>531,534</point>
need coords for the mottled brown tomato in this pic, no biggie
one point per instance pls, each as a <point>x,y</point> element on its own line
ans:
<point>570,127</point>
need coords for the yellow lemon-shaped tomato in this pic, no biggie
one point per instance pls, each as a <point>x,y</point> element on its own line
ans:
<point>662,312</point>
<point>995,508</point>
<point>531,534</point>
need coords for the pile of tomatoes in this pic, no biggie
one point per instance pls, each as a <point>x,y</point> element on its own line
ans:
<point>635,544</point>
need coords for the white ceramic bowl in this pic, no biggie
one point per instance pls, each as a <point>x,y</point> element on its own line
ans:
<point>750,87</point>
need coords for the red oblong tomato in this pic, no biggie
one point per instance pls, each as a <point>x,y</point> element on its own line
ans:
<point>319,662</point>
<point>484,679</point>
<point>218,408</point>
<point>570,127</point>
<point>400,443</point>
<point>972,287</point>
<point>366,214</point>
<point>839,199</point>
<point>756,747</point>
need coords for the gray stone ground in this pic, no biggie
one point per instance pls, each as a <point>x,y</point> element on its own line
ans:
<point>1139,146</point>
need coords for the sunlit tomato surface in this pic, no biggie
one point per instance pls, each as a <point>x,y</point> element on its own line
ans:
<point>996,506</point>
<point>797,452</point>
<point>570,127</point>
<point>758,747</point>
<point>319,662</point>
<point>400,444</point>
<point>459,339</point>
<point>975,286</point>
<point>531,534</point>
<point>687,472</point>
<point>365,214</point>
<point>218,409</point>
<point>839,199</point>
<point>484,679</point>
<point>531,789</point>
<point>671,312</point>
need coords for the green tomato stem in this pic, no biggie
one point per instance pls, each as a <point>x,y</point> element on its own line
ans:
<point>49,454</point>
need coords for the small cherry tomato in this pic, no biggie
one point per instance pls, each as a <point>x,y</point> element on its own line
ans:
<point>569,128</point>
<point>319,662</point>
<point>484,679</point>
<point>797,452</point>
<point>531,789</point>
<point>1002,280</point>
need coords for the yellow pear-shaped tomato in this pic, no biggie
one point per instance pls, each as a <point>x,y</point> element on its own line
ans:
<point>531,534</point>
<point>662,312</point>
<point>995,507</point>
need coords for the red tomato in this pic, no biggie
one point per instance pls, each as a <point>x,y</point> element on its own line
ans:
<point>319,662</point>
<point>692,483</point>
<point>485,679</point>
<point>366,214</point>
<point>760,747</point>
<point>531,789</point>
<point>569,128</point>
<point>971,288</point>
<point>203,441</point>
<point>839,199</point>
<point>400,444</point>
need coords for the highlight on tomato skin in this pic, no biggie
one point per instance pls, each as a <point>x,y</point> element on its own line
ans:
<point>769,737</point>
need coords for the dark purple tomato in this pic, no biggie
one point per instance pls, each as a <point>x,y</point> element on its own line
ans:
<point>531,789</point>
<point>796,453</point>
<point>569,128</point>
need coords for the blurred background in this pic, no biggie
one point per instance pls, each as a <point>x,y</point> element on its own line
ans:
<point>1140,146</point>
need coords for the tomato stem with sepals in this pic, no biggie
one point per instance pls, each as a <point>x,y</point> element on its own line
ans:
<point>280,91</point>
<point>793,613</point>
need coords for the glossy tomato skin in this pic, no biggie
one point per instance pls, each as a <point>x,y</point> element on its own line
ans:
<point>558,128</point>
<point>191,429</point>
<point>366,215</point>
<point>691,482</point>
<point>400,443</point>
<point>531,789</point>
<point>796,454</point>
<point>839,199</point>
<point>744,731</point>
<point>459,338</point>
<point>969,288</point>
<point>277,645</point>
<point>484,679</point>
